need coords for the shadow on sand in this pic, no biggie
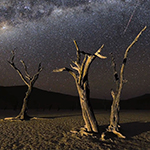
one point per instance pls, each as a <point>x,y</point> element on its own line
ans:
<point>60,116</point>
<point>135,128</point>
<point>131,129</point>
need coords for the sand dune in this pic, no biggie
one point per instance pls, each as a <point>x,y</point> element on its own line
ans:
<point>52,131</point>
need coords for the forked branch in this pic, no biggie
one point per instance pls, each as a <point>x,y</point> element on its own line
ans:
<point>115,108</point>
<point>98,53</point>
<point>119,79</point>
<point>25,69</point>
<point>40,67</point>
<point>14,66</point>
<point>28,80</point>
<point>126,54</point>
<point>81,79</point>
<point>35,76</point>
<point>66,69</point>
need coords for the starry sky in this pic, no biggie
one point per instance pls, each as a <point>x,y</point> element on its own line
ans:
<point>44,30</point>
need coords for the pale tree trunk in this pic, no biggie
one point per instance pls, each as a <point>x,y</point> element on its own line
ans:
<point>114,115</point>
<point>81,80</point>
<point>23,113</point>
<point>119,79</point>
<point>29,81</point>
<point>87,112</point>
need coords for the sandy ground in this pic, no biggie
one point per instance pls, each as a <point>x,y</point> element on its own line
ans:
<point>52,131</point>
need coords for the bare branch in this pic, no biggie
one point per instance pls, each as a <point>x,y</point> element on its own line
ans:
<point>40,68</point>
<point>85,53</point>
<point>114,116</point>
<point>88,60</point>
<point>81,80</point>
<point>112,94</point>
<point>35,76</point>
<point>98,55</point>
<point>135,40</point>
<point>68,70</point>
<point>75,62</point>
<point>126,53</point>
<point>114,67</point>
<point>26,71</point>
<point>75,68</point>
<point>82,68</point>
<point>13,56</point>
<point>78,51</point>
<point>19,72</point>
<point>60,70</point>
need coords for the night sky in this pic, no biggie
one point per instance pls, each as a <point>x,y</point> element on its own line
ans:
<point>44,30</point>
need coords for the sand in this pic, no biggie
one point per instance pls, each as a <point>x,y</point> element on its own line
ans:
<point>52,131</point>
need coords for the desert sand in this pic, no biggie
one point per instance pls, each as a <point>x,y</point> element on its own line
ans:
<point>51,131</point>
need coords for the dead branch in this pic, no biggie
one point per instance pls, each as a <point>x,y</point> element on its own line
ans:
<point>98,53</point>
<point>114,116</point>
<point>14,66</point>
<point>81,80</point>
<point>29,81</point>
<point>66,69</point>
<point>25,69</point>
<point>78,51</point>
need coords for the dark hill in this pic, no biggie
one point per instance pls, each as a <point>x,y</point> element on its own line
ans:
<point>141,102</point>
<point>12,97</point>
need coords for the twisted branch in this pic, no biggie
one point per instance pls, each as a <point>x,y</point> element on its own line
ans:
<point>66,69</point>
<point>25,69</point>
<point>35,76</point>
<point>27,76</point>
<point>13,66</point>
<point>98,51</point>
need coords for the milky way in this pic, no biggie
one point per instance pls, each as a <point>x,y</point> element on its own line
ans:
<point>44,30</point>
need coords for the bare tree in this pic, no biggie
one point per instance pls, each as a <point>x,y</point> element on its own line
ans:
<point>81,80</point>
<point>29,81</point>
<point>119,79</point>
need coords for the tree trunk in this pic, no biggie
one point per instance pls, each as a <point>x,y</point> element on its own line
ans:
<point>114,116</point>
<point>87,111</point>
<point>81,80</point>
<point>23,113</point>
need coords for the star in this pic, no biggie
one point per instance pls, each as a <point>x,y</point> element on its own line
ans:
<point>44,30</point>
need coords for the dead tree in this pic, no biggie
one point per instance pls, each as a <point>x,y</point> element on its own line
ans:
<point>80,75</point>
<point>119,79</point>
<point>29,81</point>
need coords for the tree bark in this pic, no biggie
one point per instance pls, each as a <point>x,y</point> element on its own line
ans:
<point>29,81</point>
<point>23,113</point>
<point>87,112</point>
<point>114,116</point>
<point>119,79</point>
<point>81,80</point>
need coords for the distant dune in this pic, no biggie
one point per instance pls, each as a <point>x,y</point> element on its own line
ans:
<point>141,102</point>
<point>12,97</point>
